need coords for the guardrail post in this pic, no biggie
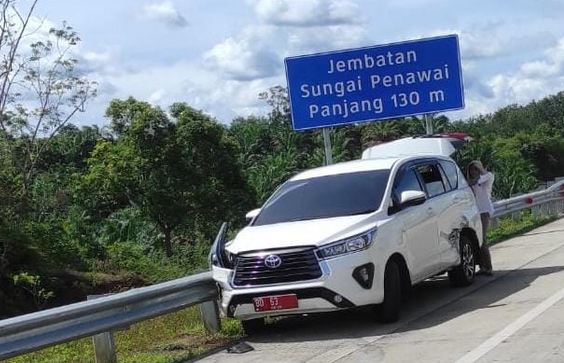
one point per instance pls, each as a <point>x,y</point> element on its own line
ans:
<point>104,347</point>
<point>210,316</point>
<point>542,208</point>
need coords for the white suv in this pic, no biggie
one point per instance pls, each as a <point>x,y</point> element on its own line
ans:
<point>350,234</point>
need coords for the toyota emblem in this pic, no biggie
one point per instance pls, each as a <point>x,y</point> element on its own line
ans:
<point>272,261</point>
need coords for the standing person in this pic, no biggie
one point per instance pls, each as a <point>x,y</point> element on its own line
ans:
<point>481,182</point>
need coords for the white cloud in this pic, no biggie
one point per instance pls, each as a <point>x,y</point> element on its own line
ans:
<point>551,66</point>
<point>307,12</point>
<point>503,64</point>
<point>531,80</point>
<point>166,13</point>
<point>156,97</point>
<point>162,85</point>
<point>534,79</point>
<point>410,4</point>
<point>248,56</point>
<point>290,28</point>
<point>312,40</point>
<point>494,39</point>
<point>226,80</point>
<point>97,57</point>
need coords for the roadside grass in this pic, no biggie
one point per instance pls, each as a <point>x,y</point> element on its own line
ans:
<point>508,228</point>
<point>170,338</point>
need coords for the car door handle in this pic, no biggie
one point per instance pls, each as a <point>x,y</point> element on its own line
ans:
<point>430,211</point>
<point>456,200</point>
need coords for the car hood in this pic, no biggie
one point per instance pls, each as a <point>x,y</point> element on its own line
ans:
<point>314,232</point>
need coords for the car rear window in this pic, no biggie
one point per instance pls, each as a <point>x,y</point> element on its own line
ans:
<point>451,171</point>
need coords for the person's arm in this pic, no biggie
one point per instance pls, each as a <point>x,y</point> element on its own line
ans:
<point>486,179</point>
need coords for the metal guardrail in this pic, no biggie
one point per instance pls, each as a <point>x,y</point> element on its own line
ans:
<point>549,201</point>
<point>31,332</point>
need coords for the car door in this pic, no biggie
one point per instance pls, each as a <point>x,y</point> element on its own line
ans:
<point>419,226</point>
<point>432,181</point>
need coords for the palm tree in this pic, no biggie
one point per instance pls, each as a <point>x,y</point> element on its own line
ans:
<point>379,132</point>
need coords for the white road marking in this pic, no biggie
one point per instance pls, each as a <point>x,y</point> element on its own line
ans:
<point>500,336</point>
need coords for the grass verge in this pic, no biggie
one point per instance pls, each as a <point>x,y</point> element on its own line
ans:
<point>167,339</point>
<point>508,228</point>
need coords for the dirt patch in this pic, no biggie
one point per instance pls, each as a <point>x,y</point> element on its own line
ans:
<point>197,344</point>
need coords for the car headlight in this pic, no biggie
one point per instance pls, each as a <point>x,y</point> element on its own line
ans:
<point>349,245</point>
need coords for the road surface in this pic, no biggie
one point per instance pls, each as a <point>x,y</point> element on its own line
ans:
<point>515,316</point>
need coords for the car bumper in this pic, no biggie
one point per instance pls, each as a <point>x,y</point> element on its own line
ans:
<point>336,289</point>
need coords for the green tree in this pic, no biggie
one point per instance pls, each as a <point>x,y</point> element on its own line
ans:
<point>40,87</point>
<point>182,172</point>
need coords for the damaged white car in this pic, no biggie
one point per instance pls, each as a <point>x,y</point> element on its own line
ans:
<point>352,234</point>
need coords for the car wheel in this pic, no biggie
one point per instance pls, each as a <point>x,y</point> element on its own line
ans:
<point>253,326</point>
<point>463,274</point>
<point>389,310</point>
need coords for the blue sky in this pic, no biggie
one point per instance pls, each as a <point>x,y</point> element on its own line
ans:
<point>217,55</point>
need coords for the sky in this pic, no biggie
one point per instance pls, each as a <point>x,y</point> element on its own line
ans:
<point>218,55</point>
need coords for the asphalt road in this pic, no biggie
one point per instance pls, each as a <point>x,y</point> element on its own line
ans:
<point>515,316</point>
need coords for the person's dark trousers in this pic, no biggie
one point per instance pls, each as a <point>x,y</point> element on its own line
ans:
<point>486,258</point>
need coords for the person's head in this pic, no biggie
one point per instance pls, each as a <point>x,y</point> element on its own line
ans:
<point>475,169</point>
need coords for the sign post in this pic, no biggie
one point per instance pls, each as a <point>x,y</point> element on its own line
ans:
<point>428,124</point>
<point>375,83</point>
<point>328,148</point>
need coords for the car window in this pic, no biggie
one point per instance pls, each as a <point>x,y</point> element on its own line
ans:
<point>446,182</point>
<point>325,197</point>
<point>432,179</point>
<point>407,180</point>
<point>451,171</point>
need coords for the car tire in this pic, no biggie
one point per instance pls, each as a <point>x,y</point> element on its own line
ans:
<point>253,326</point>
<point>464,273</point>
<point>389,310</point>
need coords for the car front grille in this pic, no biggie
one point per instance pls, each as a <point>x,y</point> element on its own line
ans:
<point>296,265</point>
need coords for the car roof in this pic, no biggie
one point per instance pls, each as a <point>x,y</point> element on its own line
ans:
<point>361,165</point>
<point>433,145</point>
<point>347,167</point>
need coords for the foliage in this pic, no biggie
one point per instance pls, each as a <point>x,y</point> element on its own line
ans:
<point>174,172</point>
<point>33,285</point>
<point>508,227</point>
<point>40,88</point>
<point>513,173</point>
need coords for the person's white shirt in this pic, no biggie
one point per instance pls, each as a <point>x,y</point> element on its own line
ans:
<point>483,192</point>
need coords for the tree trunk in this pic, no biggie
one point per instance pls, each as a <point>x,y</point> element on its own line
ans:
<point>167,242</point>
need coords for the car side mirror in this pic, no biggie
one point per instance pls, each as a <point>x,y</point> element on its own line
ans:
<point>411,198</point>
<point>252,214</point>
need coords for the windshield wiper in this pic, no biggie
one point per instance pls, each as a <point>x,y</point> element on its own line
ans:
<point>367,211</point>
<point>362,212</point>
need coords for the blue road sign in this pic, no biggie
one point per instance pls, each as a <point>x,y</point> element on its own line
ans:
<point>375,83</point>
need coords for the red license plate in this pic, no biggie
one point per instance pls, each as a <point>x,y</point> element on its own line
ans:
<point>277,302</point>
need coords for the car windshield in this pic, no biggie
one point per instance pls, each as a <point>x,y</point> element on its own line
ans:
<point>325,197</point>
